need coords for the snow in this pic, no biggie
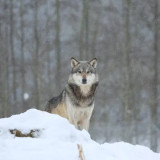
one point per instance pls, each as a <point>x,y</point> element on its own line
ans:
<point>26,96</point>
<point>58,139</point>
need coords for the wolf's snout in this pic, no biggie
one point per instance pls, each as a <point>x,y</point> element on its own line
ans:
<point>84,81</point>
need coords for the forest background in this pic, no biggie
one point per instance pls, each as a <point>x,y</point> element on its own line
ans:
<point>38,38</point>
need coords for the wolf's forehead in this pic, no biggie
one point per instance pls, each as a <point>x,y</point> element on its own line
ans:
<point>83,66</point>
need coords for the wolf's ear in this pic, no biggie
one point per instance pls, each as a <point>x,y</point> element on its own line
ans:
<point>93,62</point>
<point>74,62</point>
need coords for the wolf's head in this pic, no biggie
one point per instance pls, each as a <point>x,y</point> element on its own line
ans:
<point>83,72</point>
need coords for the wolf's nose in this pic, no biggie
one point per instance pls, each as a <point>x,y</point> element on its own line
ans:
<point>84,81</point>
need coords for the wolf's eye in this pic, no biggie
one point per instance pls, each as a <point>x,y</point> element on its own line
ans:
<point>79,71</point>
<point>88,72</point>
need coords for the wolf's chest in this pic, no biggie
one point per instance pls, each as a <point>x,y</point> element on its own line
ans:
<point>78,111</point>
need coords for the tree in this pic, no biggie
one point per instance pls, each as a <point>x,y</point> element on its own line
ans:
<point>36,57</point>
<point>12,51</point>
<point>154,104</point>
<point>127,89</point>
<point>84,31</point>
<point>22,50</point>
<point>48,51</point>
<point>95,33</point>
<point>58,47</point>
<point>81,34</point>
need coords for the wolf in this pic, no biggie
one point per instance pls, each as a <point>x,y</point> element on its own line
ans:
<point>76,101</point>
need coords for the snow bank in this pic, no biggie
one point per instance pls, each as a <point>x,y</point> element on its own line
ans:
<point>57,140</point>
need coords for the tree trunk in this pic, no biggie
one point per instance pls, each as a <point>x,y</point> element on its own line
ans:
<point>48,53</point>
<point>58,47</point>
<point>7,108</point>
<point>1,73</point>
<point>6,46</point>
<point>154,104</point>
<point>22,53</point>
<point>127,90</point>
<point>36,57</point>
<point>81,35</point>
<point>84,32</point>
<point>94,39</point>
<point>86,17</point>
<point>12,52</point>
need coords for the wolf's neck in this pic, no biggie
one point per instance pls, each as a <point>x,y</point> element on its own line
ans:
<point>85,89</point>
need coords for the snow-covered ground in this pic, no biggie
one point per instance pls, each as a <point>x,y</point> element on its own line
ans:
<point>57,140</point>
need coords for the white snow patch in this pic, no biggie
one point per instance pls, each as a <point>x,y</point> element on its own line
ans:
<point>58,140</point>
<point>26,96</point>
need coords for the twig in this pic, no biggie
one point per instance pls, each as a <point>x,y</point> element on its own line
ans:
<point>81,153</point>
<point>18,133</point>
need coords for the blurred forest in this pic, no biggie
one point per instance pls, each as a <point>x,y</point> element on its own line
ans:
<point>38,38</point>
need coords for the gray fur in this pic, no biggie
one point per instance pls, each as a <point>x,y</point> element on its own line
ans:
<point>75,95</point>
<point>83,66</point>
<point>53,102</point>
<point>77,98</point>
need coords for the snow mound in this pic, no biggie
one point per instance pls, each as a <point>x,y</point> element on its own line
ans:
<point>51,126</point>
<point>58,140</point>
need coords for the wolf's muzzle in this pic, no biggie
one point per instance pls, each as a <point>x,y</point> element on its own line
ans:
<point>84,81</point>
